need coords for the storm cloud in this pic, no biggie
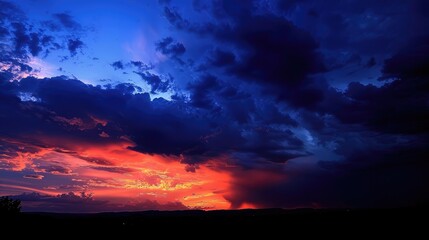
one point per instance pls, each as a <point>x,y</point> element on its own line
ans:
<point>298,103</point>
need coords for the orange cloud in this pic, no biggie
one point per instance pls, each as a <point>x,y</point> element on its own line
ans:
<point>114,172</point>
<point>157,178</point>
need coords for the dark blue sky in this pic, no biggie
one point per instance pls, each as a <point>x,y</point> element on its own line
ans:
<point>279,103</point>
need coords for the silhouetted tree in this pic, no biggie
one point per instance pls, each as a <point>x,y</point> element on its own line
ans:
<point>9,207</point>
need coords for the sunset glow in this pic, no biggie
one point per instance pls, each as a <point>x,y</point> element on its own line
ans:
<point>117,173</point>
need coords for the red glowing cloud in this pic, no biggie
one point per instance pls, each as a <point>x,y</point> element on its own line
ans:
<point>114,173</point>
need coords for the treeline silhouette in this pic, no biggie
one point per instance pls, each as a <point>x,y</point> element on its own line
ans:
<point>9,207</point>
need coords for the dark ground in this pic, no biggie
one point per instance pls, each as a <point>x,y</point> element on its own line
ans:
<point>270,221</point>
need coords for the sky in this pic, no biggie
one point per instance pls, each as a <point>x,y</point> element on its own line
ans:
<point>225,104</point>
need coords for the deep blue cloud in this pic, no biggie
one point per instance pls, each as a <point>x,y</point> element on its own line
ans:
<point>33,38</point>
<point>286,61</point>
<point>277,52</point>
<point>141,66</point>
<point>201,91</point>
<point>168,47</point>
<point>398,106</point>
<point>274,52</point>
<point>157,83</point>
<point>152,125</point>
<point>381,178</point>
<point>222,58</point>
<point>74,45</point>
<point>410,63</point>
<point>175,18</point>
<point>118,65</point>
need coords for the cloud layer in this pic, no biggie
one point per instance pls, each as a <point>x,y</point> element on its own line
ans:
<point>243,103</point>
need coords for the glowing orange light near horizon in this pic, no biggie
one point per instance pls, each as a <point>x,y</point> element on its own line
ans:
<point>129,176</point>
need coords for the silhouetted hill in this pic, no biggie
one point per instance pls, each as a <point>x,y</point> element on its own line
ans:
<point>271,220</point>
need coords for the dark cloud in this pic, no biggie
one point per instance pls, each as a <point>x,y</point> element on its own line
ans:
<point>233,9</point>
<point>274,145</point>
<point>54,169</point>
<point>200,5</point>
<point>273,52</point>
<point>28,113</point>
<point>65,98</point>
<point>410,63</point>
<point>289,5</point>
<point>34,176</point>
<point>3,32</point>
<point>371,62</point>
<point>175,18</point>
<point>85,203</point>
<point>277,52</point>
<point>118,65</point>
<point>22,38</point>
<point>220,58</point>
<point>170,48</point>
<point>372,173</point>
<point>396,107</point>
<point>336,24</point>
<point>156,127</point>
<point>209,93</point>
<point>271,114</point>
<point>156,83</point>
<point>141,66</point>
<point>34,45</point>
<point>9,13</point>
<point>201,96</point>
<point>74,45</point>
<point>382,153</point>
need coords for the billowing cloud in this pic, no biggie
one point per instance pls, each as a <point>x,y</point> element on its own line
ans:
<point>74,45</point>
<point>168,47</point>
<point>118,65</point>
<point>156,82</point>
